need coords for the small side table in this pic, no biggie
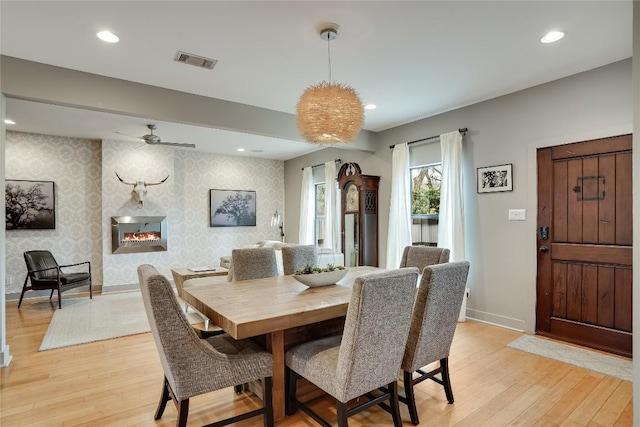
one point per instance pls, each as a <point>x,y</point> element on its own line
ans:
<point>182,274</point>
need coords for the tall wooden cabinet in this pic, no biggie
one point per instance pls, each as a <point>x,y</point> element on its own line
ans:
<point>359,201</point>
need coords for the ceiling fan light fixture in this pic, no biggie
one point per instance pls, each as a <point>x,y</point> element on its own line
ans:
<point>329,113</point>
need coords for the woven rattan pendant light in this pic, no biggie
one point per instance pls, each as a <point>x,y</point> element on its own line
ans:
<point>329,113</point>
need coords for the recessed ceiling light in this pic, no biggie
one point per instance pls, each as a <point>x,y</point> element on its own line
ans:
<point>552,36</point>
<point>9,122</point>
<point>240,149</point>
<point>108,37</point>
<point>370,107</point>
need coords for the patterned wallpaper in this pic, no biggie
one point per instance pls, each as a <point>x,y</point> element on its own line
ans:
<point>74,165</point>
<point>184,200</point>
<point>88,194</point>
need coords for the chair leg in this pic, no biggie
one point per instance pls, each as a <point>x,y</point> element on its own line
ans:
<point>164,398</point>
<point>90,291</point>
<point>238,388</point>
<point>59,297</point>
<point>51,294</point>
<point>394,403</point>
<point>342,414</point>
<point>183,413</point>
<point>290,394</point>
<point>24,289</point>
<point>411,399</point>
<point>446,381</point>
<point>267,387</point>
<point>206,323</point>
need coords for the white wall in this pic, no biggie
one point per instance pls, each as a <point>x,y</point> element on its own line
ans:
<point>507,129</point>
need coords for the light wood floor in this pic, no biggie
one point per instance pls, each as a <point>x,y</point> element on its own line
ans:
<point>118,382</point>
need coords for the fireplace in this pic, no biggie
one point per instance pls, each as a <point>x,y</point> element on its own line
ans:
<point>138,234</point>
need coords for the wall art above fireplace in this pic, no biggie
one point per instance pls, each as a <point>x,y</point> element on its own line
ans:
<point>132,234</point>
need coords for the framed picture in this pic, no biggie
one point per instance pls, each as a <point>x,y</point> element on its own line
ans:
<point>232,208</point>
<point>30,205</point>
<point>493,179</point>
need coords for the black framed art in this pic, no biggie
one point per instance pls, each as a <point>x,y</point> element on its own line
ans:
<point>30,205</point>
<point>493,179</point>
<point>232,208</point>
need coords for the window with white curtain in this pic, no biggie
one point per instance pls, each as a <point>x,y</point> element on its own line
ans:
<point>425,203</point>
<point>320,213</point>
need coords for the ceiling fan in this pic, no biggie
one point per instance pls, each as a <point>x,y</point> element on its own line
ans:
<point>153,139</point>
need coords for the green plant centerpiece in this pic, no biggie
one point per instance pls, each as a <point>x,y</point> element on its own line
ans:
<point>313,269</point>
<point>314,276</point>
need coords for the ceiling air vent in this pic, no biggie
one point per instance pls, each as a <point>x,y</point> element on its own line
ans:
<point>198,61</point>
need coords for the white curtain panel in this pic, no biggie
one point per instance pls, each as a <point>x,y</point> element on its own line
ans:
<point>400,207</point>
<point>307,217</point>
<point>331,225</point>
<point>451,218</point>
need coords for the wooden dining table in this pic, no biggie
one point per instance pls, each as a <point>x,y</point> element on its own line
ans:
<point>273,308</point>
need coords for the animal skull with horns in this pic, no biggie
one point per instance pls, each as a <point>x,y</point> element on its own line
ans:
<point>140,188</point>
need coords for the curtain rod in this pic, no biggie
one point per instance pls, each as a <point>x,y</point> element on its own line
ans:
<point>461,130</point>
<point>322,164</point>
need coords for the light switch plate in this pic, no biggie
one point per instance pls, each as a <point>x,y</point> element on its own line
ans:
<point>516,214</point>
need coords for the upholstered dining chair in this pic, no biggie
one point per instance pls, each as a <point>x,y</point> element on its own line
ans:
<point>421,256</point>
<point>45,273</point>
<point>367,355</point>
<point>298,256</point>
<point>252,263</point>
<point>195,364</point>
<point>433,323</point>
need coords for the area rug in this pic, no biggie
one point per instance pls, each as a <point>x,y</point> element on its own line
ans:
<point>83,320</point>
<point>613,366</point>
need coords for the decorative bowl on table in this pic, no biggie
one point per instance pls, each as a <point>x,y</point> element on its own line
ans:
<point>319,277</point>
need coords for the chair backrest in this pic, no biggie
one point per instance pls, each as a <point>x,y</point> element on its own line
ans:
<point>297,257</point>
<point>253,263</point>
<point>435,314</point>
<point>39,260</point>
<point>421,256</point>
<point>375,331</point>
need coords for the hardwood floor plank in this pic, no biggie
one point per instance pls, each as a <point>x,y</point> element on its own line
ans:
<point>614,407</point>
<point>591,405</point>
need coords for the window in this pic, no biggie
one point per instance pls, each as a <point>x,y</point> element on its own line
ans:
<point>425,203</point>
<point>320,194</point>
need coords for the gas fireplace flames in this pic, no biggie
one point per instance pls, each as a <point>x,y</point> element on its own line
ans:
<point>147,236</point>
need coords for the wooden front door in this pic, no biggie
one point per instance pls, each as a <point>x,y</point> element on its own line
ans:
<point>584,243</point>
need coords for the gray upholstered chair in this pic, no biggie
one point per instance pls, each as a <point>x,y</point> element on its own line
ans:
<point>433,323</point>
<point>45,273</point>
<point>195,365</point>
<point>421,256</point>
<point>367,356</point>
<point>252,263</point>
<point>297,257</point>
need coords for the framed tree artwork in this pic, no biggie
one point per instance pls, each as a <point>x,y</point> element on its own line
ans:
<point>30,205</point>
<point>493,179</point>
<point>232,208</point>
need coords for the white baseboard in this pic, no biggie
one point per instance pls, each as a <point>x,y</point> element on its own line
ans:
<point>497,320</point>
<point>5,357</point>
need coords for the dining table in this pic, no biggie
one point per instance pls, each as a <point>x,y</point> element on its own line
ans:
<point>278,310</point>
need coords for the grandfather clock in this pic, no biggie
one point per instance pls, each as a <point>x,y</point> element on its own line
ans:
<point>359,201</point>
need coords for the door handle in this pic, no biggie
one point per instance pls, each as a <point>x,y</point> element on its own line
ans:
<point>543,249</point>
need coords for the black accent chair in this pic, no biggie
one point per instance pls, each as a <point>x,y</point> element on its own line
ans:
<point>45,273</point>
